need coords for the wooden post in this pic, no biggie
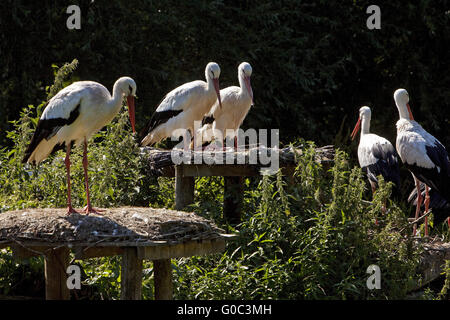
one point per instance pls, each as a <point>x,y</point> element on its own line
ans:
<point>232,199</point>
<point>55,266</point>
<point>184,189</point>
<point>131,277</point>
<point>163,279</point>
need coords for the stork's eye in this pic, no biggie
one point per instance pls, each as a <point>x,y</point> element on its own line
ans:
<point>131,89</point>
<point>212,74</point>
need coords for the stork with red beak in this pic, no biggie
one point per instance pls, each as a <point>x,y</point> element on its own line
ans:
<point>424,156</point>
<point>236,102</point>
<point>182,106</point>
<point>73,115</point>
<point>376,154</point>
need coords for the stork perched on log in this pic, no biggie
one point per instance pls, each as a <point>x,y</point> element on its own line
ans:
<point>73,115</point>
<point>236,102</point>
<point>376,155</point>
<point>182,106</point>
<point>424,156</point>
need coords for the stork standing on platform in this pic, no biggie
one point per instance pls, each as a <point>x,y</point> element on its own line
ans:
<point>182,106</point>
<point>376,155</point>
<point>72,116</point>
<point>424,156</point>
<point>236,102</point>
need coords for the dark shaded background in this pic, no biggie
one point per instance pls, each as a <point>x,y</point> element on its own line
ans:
<point>315,62</point>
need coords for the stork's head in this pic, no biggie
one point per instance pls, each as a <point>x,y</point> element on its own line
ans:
<point>401,98</point>
<point>128,88</point>
<point>212,73</point>
<point>245,71</point>
<point>364,114</point>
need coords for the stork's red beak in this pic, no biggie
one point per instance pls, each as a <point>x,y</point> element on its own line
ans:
<point>217,88</point>
<point>249,87</point>
<point>410,113</point>
<point>356,129</point>
<point>130,102</point>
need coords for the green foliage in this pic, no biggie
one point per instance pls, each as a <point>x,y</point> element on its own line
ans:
<point>21,278</point>
<point>103,275</point>
<point>60,75</point>
<point>310,240</point>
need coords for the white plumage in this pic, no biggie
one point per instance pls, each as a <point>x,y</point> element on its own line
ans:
<point>368,141</point>
<point>411,144</point>
<point>236,102</point>
<point>73,115</point>
<point>183,105</point>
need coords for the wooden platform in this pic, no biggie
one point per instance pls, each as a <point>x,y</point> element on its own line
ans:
<point>146,233</point>
<point>240,164</point>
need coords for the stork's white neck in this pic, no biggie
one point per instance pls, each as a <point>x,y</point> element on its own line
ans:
<point>243,88</point>
<point>402,110</point>
<point>365,126</point>
<point>115,103</point>
<point>209,83</point>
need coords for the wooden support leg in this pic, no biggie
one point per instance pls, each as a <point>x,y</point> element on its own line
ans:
<point>55,265</point>
<point>131,277</point>
<point>232,202</point>
<point>163,279</point>
<point>184,189</point>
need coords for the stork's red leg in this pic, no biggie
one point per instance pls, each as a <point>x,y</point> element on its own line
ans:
<point>419,203</point>
<point>88,209</point>
<point>70,209</point>
<point>427,205</point>
<point>373,187</point>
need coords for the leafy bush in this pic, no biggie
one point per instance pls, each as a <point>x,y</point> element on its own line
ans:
<point>313,239</point>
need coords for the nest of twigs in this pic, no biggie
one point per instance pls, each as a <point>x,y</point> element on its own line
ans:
<point>115,224</point>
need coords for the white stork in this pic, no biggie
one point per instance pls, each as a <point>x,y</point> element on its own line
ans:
<point>182,106</point>
<point>376,154</point>
<point>424,156</point>
<point>72,116</point>
<point>236,102</point>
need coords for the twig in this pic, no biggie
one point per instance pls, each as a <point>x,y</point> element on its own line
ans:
<point>29,249</point>
<point>415,221</point>
<point>420,218</point>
